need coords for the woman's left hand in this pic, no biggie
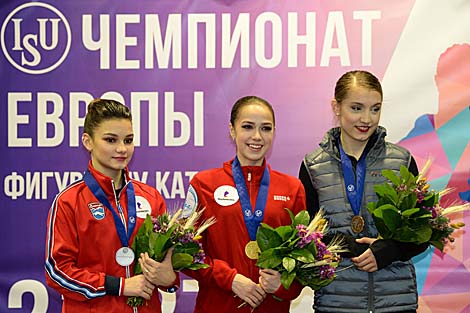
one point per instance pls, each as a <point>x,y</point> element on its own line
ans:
<point>366,261</point>
<point>158,273</point>
<point>270,280</point>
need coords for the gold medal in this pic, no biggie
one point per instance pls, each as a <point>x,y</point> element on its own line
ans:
<point>252,250</point>
<point>357,224</point>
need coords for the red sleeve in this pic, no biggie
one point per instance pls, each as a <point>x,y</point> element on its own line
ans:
<point>62,273</point>
<point>218,272</point>
<point>300,199</point>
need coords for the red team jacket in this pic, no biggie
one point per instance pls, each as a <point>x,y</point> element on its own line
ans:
<point>224,242</point>
<point>82,241</point>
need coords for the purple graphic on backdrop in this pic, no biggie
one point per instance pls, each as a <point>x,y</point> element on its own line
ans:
<point>179,68</point>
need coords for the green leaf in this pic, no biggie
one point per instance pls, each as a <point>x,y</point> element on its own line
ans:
<point>371,206</point>
<point>406,175</point>
<point>284,232</point>
<point>197,266</point>
<point>181,261</point>
<point>287,279</point>
<point>416,235</point>
<point>189,248</point>
<point>438,244</point>
<point>291,215</point>
<point>391,176</point>
<point>269,259</point>
<point>408,201</point>
<point>318,283</point>
<point>388,216</point>
<point>146,227</point>
<point>424,234</point>
<point>302,255</point>
<point>267,237</point>
<point>430,200</point>
<point>288,264</point>
<point>410,212</point>
<point>387,192</point>
<point>158,244</point>
<point>423,214</point>
<point>140,244</point>
<point>301,218</point>
<point>137,268</point>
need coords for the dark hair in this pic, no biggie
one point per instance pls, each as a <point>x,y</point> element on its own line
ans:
<point>100,110</point>
<point>245,101</point>
<point>356,78</point>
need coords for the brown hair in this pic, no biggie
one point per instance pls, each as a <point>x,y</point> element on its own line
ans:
<point>100,110</point>
<point>240,103</point>
<point>356,78</point>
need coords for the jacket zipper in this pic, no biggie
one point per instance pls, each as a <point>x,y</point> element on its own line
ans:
<point>248,178</point>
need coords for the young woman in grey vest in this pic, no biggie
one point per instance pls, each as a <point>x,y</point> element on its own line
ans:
<point>339,176</point>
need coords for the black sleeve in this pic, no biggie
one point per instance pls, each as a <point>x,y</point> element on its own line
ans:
<point>310,193</point>
<point>387,251</point>
<point>413,168</point>
<point>111,285</point>
<point>354,248</point>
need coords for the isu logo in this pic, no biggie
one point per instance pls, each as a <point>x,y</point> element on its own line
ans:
<point>35,38</point>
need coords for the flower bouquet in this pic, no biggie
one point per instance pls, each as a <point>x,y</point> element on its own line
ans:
<point>297,251</point>
<point>407,211</point>
<point>158,234</point>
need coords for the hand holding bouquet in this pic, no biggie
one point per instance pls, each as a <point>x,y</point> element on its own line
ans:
<point>407,211</point>
<point>158,234</point>
<point>297,251</point>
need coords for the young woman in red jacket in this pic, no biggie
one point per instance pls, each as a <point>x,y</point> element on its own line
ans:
<point>241,194</point>
<point>92,222</point>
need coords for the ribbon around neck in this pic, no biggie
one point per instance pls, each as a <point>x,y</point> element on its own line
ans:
<point>252,219</point>
<point>354,183</point>
<point>119,220</point>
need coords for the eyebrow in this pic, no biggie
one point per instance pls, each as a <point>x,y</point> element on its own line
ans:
<point>116,135</point>
<point>250,122</point>
<point>360,103</point>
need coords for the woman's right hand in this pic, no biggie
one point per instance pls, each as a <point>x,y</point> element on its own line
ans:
<point>248,291</point>
<point>138,286</point>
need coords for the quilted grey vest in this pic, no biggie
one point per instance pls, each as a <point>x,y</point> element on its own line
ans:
<point>391,289</point>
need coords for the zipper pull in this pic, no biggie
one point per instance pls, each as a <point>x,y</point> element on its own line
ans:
<point>249,176</point>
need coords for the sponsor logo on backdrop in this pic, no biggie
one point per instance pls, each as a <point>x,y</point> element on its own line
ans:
<point>35,38</point>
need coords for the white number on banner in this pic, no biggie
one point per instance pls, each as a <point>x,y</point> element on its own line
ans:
<point>39,292</point>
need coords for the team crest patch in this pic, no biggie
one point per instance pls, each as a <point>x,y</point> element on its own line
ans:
<point>97,210</point>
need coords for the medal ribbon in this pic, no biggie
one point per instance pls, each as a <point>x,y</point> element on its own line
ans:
<point>354,183</point>
<point>119,222</point>
<point>252,221</point>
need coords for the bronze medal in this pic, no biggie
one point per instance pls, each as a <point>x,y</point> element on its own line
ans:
<point>357,224</point>
<point>252,250</point>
